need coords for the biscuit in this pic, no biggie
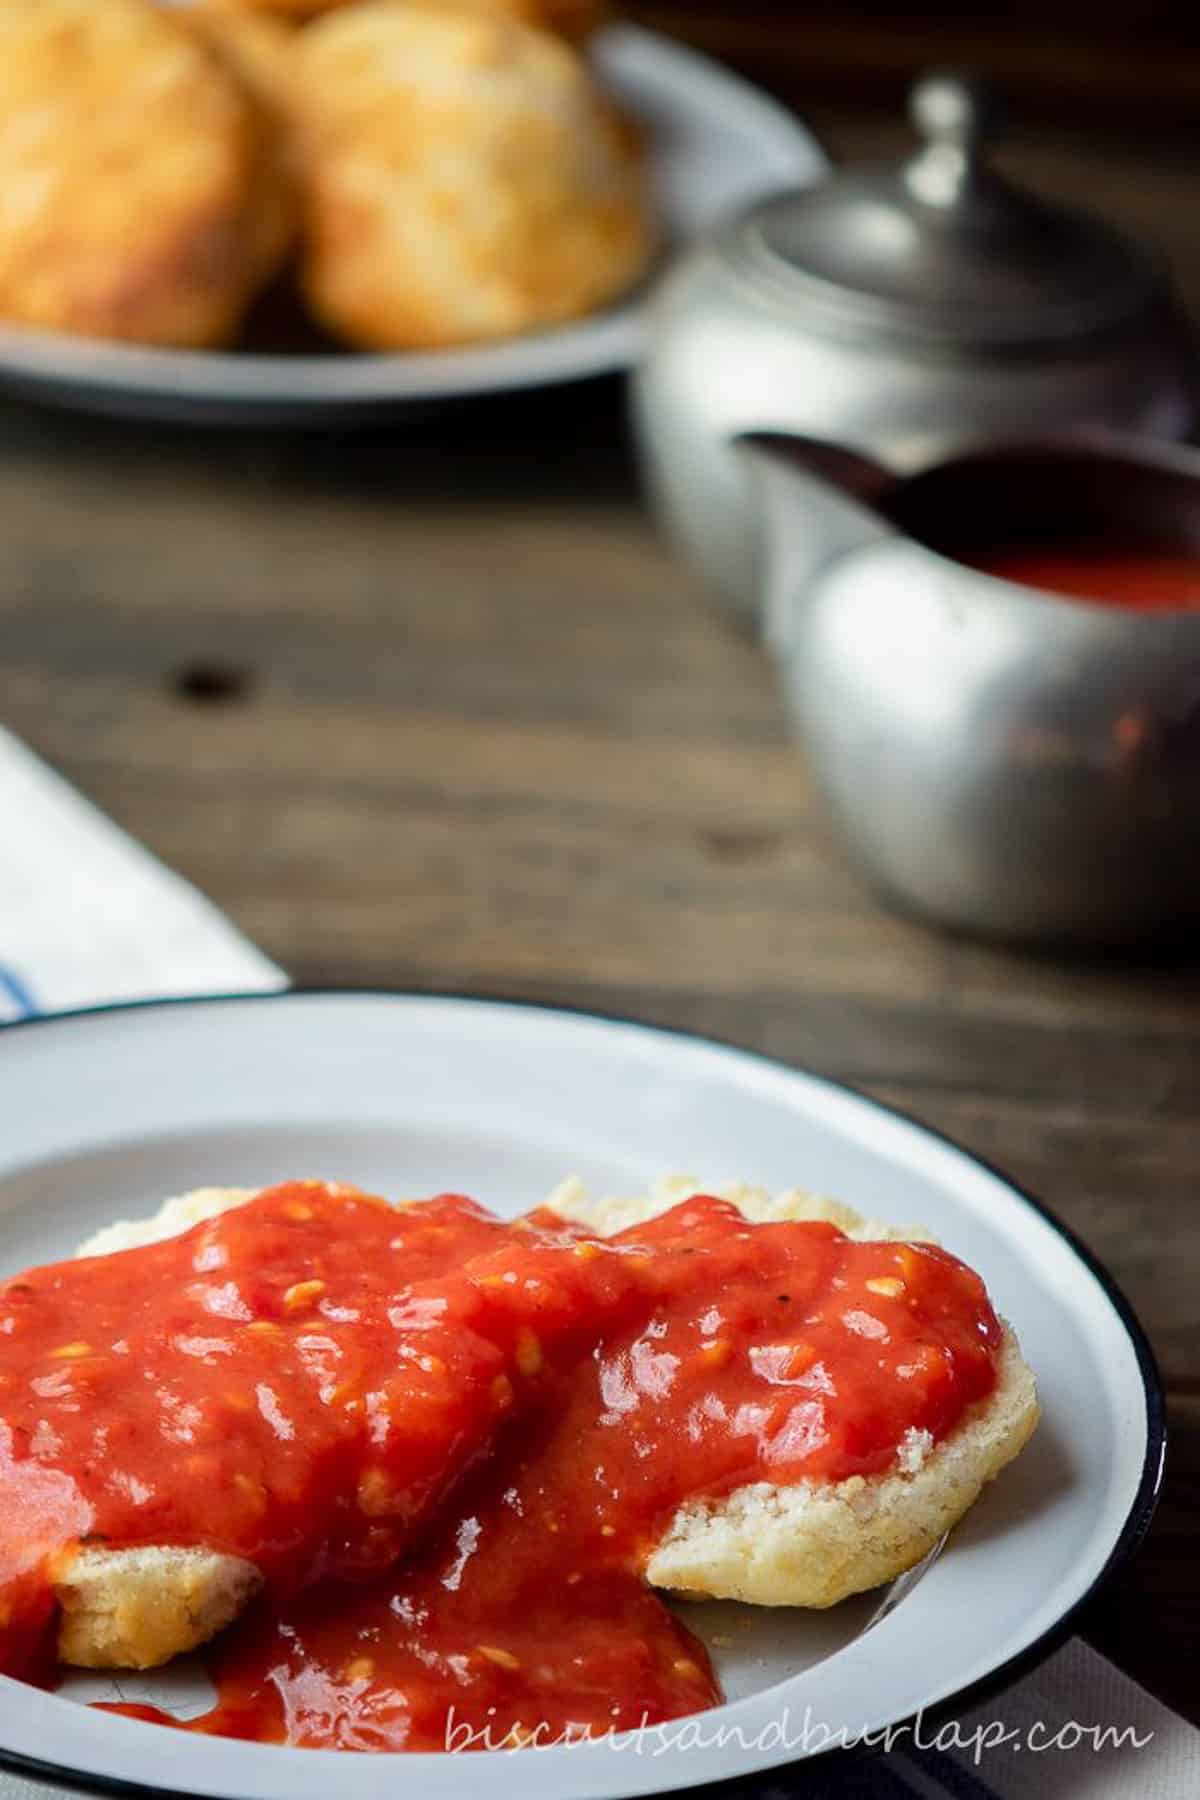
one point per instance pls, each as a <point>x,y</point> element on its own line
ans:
<point>137,1608</point>
<point>138,178</point>
<point>573,19</point>
<point>173,1216</point>
<point>258,51</point>
<point>464,179</point>
<point>814,1543</point>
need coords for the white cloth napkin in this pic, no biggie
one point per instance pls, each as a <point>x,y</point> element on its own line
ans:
<point>88,916</point>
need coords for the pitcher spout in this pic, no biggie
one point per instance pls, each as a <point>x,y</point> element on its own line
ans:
<point>816,502</point>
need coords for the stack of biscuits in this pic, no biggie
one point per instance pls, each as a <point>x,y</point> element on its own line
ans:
<point>430,173</point>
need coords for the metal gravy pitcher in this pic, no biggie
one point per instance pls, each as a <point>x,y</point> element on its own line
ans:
<point>998,759</point>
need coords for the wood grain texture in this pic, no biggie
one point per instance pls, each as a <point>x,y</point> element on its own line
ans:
<point>482,732</point>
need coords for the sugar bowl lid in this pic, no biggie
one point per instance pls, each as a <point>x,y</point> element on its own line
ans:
<point>942,248</point>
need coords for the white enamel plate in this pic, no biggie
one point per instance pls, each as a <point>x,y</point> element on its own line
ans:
<point>716,143</point>
<point>104,1113</point>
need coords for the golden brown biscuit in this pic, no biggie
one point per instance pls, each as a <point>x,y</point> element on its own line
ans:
<point>255,46</point>
<point>136,1608</point>
<point>464,179</point>
<point>813,1543</point>
<point>258,51</point>
<point>574,19</point>
<point>138,176</point>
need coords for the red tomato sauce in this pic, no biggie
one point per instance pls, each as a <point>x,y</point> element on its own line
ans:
<point>1146,580</point>
<point>450,1443</point>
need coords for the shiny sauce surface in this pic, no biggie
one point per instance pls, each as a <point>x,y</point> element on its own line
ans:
<point>1145,580</point>
<point>450,1443</point>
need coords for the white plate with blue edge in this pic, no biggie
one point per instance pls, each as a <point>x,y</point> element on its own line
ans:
<point>716,143</point>
<point>103,1113</point>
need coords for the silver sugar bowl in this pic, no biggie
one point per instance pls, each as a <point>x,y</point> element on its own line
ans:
<point>997,759</point>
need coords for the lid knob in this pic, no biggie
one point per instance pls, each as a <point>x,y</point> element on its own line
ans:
<point>957,116</point>
<point>944,249</point>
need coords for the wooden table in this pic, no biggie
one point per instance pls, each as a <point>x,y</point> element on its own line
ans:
<point>434,708</point>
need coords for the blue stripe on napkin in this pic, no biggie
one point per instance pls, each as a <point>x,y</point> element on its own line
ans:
<point>16,999</point>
